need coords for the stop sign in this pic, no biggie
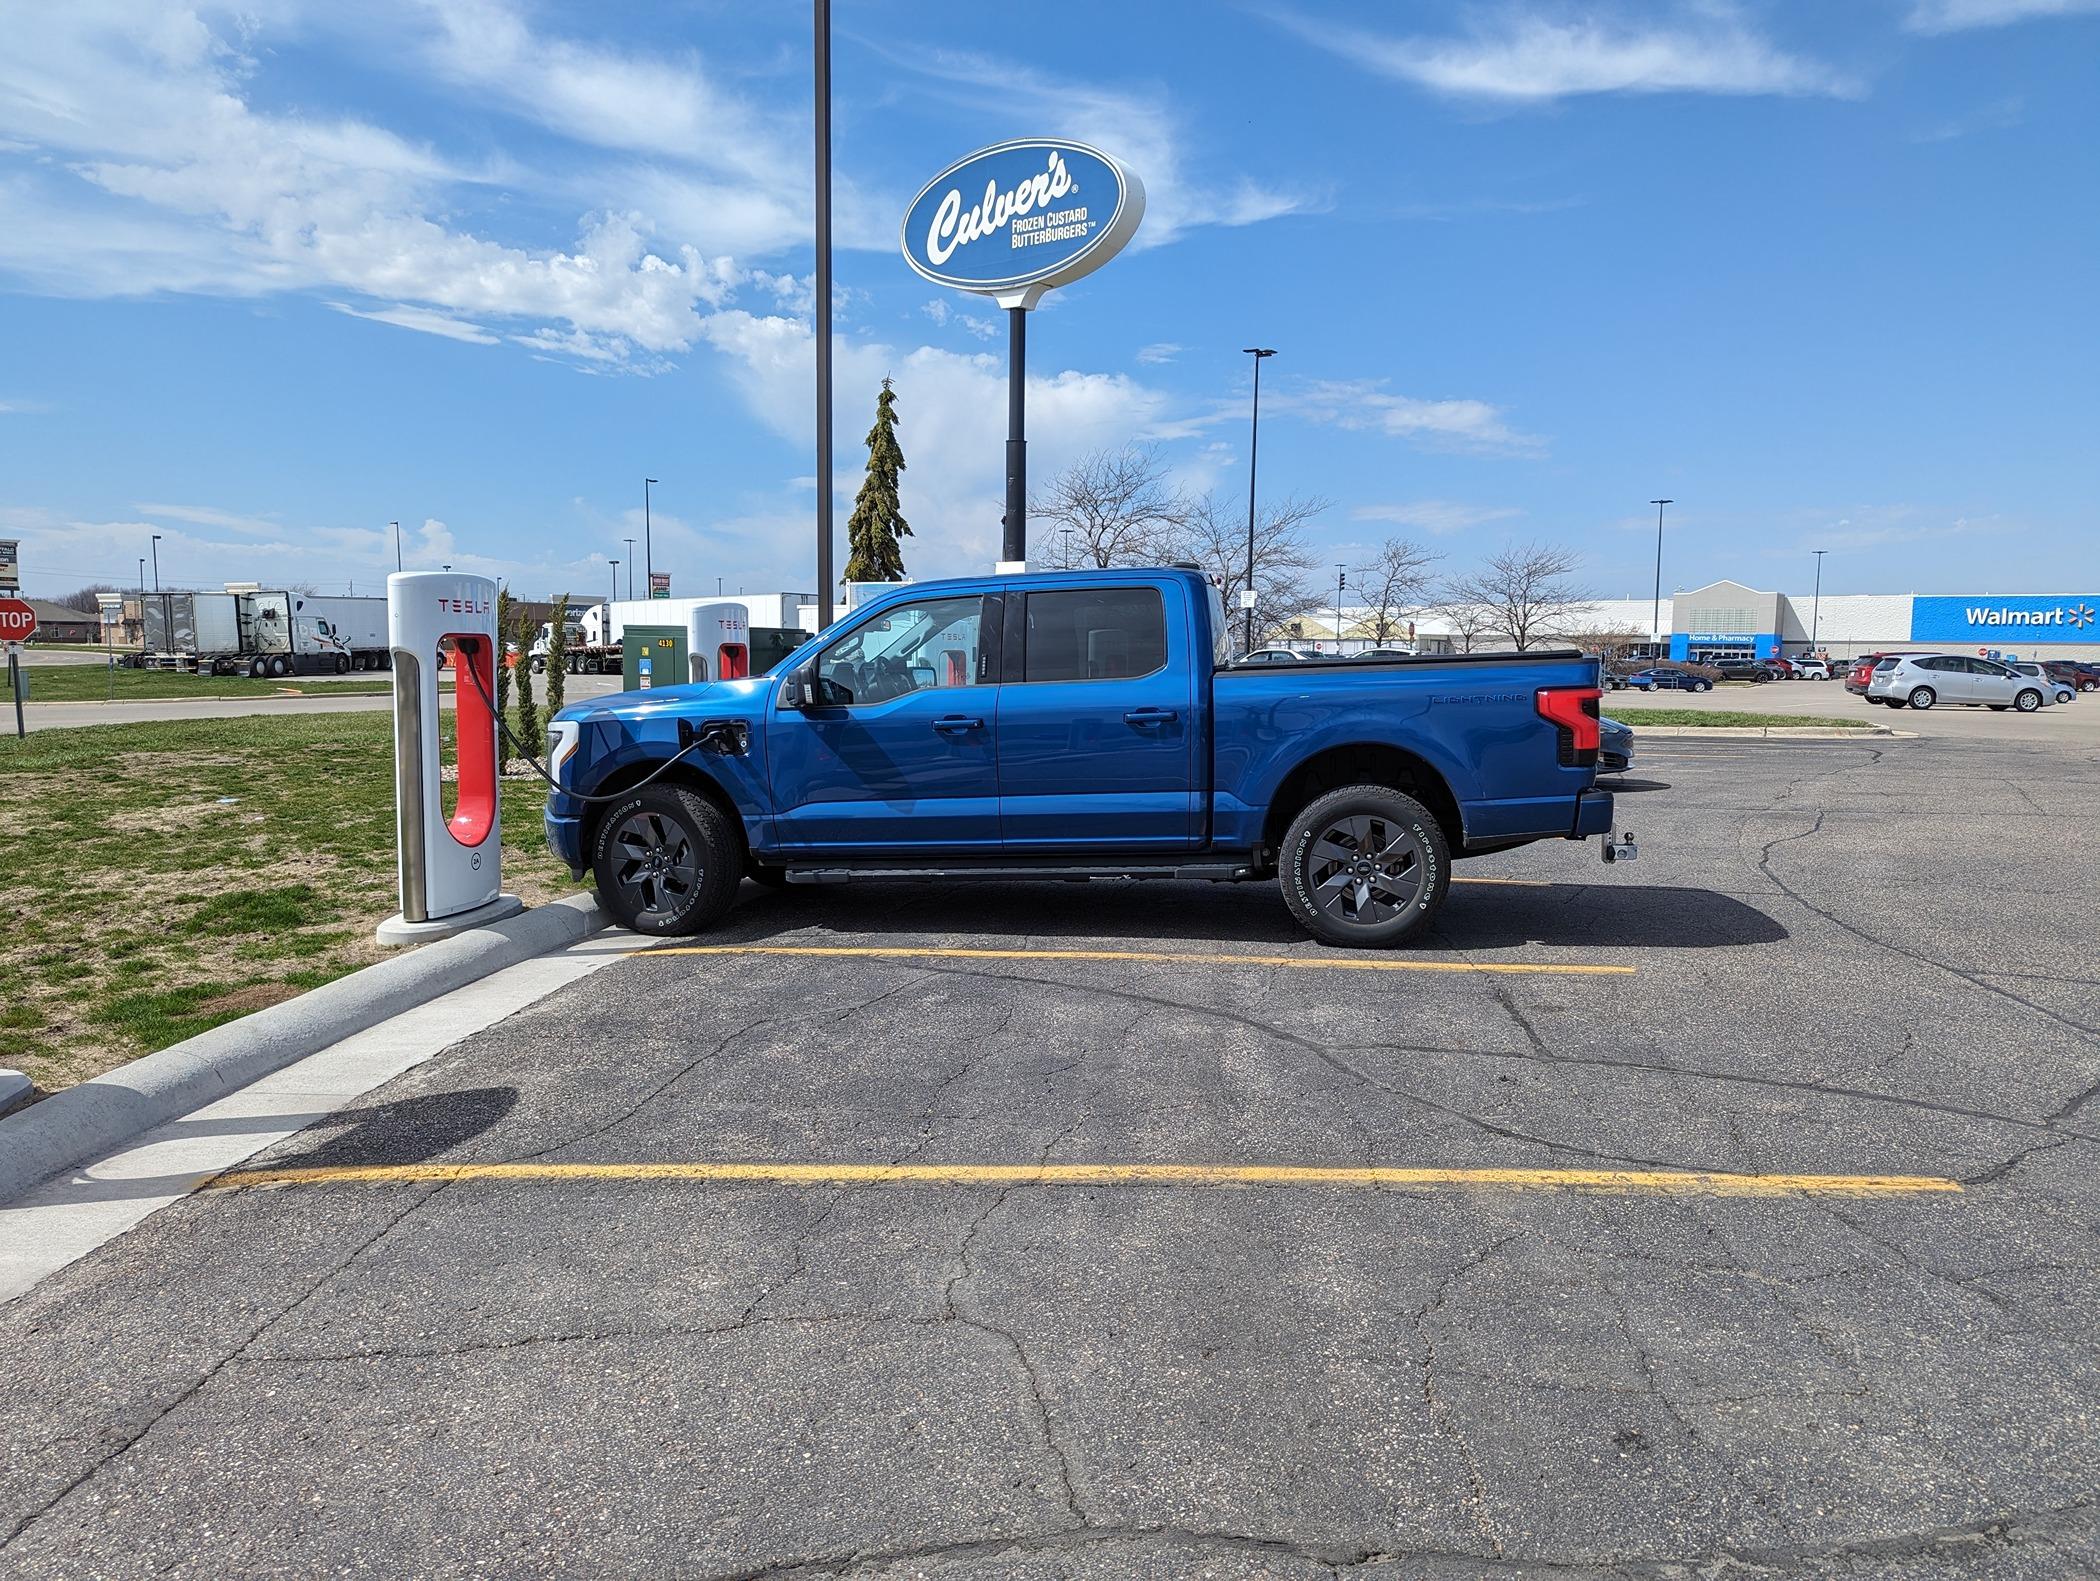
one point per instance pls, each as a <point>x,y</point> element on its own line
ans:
<point>17,620</point>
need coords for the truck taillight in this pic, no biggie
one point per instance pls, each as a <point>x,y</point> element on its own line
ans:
<point>1574,710</point>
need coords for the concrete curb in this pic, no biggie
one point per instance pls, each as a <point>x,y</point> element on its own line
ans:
<point>1775,732</point>
<point>101,1114</point>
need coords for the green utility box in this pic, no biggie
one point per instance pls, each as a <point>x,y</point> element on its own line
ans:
<point>661,648</point>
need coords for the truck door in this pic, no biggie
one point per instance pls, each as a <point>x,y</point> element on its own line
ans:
<point>898,755</point>
<point>1097,721</point>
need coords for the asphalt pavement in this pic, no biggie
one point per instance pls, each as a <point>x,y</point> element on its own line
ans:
<point>1728,1213</point>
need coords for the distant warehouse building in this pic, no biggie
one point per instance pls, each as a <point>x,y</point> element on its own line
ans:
<point>1727,620</point>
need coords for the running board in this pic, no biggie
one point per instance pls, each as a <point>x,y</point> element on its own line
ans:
<point>1211,872</point>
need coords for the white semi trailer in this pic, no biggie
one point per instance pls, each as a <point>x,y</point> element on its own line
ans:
<point>256,631</point>
<point>359,624</point>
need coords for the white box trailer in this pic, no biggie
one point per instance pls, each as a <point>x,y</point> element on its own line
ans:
<point>359,624</point>
<point>249,630</point>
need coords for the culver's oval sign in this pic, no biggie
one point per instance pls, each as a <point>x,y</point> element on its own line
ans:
<point>1033,213</point>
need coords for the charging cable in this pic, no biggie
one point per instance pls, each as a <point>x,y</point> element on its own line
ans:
<point>533,763</point>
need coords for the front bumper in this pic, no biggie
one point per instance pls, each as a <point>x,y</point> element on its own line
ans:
<point>565,840</point>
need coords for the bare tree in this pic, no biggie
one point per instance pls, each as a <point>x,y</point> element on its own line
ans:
<point>1526,590</point>
<point>1214,535</point>
<point>1117,505</point>
<point>1394,587</point>
<point>1609,642</point>
<point>1467,621</point>
<point>84,599</point>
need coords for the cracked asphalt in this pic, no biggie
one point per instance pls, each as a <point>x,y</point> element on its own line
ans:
<point>1850,958</point>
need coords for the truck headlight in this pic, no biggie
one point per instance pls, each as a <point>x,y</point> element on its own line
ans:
<point>568,736</point>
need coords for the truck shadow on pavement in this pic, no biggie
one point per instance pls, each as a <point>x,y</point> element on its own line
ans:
<point>1482,916</point>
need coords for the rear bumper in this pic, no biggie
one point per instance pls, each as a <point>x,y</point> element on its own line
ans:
<point>1593,814</point>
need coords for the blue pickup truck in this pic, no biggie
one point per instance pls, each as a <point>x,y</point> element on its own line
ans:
<point>1072,725</point>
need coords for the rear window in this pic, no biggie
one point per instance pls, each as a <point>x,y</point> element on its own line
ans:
<point>1095,634</point>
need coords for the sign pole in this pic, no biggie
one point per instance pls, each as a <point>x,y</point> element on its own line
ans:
<point>14,687</point>
<point>1015,548</point>
<point>823,311</point>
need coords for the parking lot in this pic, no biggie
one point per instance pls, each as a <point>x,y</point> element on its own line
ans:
<point>1731,1212</point>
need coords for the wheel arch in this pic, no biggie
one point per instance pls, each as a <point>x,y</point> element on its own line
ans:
<point>1364,763</point>
<point>682,774</point>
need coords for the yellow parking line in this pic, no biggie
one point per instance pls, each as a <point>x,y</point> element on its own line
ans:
<point>1656,1182</point>
<point>1517,883</point>
<point>1342,963</point>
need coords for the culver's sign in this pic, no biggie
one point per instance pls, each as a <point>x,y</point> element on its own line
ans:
<point>1020,217</point>
<point>2038,619</point>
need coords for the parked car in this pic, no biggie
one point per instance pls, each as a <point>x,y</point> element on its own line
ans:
<point>1927,680</point>
<point>2084,677</point>
<point>1614,745</point>
<point>2059,691</point>
<point>1669,681</point>
<point>1782,668</point>
<point>1072,725</point>
<point>1385,653</point>
<point>1747,670</point>
<point>1862,671</point>
<point>1811,669</point>
<point>1269,656</point>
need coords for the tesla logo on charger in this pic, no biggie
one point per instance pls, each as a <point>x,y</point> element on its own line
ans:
<point>463,606</point>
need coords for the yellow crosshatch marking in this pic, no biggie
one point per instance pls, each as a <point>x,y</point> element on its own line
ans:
<point>1611,1182</point>
<point>1340,963</point>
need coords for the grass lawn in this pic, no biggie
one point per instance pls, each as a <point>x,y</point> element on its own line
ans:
<point>1640,714</point>
<point>94,683</point>
<point>163,878</point>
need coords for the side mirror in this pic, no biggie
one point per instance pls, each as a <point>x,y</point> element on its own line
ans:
<point>799,689</point>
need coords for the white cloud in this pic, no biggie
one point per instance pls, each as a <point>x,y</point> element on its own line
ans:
<point>1436,516</point>
<point>1543,54</point>
<point>210,516</point>
<point>427,320</point>
<point>1364,404</point>
<point>1159,351</point>
<point>1137,126</point>
<point>1949,16</point>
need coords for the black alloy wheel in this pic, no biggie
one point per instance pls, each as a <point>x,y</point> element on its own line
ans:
<point>666,861</point>
<point>1364,866</point>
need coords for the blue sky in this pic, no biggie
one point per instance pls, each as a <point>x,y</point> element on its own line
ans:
<point>274,275</point>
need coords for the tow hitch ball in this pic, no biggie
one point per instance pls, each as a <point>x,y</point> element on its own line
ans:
<point>1622,851</point>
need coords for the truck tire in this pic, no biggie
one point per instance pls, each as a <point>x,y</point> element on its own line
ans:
<point>258,667</point>
<point>666,861</point>
<point>342,664</point>
<point>1364,866</point>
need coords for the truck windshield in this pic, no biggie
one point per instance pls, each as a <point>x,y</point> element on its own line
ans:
<point>911,648</point>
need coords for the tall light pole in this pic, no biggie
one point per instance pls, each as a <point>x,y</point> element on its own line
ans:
<point>630,567</point>
<point>616,580</point>
<point>648,555</point>
<point>823,308</point>
<point>1341,580</point>
<point>1253,455</point>
<point>1655,615</point>
<point>397,544</point>
<point>156,562</point>
<point>1815,619</point>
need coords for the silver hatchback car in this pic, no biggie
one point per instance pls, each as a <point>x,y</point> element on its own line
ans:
<point>1927,680</point>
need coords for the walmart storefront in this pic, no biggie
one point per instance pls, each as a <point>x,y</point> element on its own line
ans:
<point>1728,620</point>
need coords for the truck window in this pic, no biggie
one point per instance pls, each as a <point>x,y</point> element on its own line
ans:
<point>911,648</point>
<point>1096,634</point>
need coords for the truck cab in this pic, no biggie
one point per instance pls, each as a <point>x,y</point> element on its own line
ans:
<point>1074,725</point>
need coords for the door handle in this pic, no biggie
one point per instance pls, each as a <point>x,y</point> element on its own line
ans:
<point>1151,716</point>
<point>956,724</point>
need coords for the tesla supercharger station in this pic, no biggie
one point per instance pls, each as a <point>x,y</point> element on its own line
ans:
<point>451,862</point>
<point>718,642</point>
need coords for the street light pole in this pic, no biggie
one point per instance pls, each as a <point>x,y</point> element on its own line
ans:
<point>630,566</point>
<point>1655,626</point>
<point>1815,619</point>
<point>156,562</point>
<point>648,555</point>
<point>1253,455</point>
<point>822,85</point>
<point>1341,580</point>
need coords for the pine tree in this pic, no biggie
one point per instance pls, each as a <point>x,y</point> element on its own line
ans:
<point>502,669</point>
<point>528,713</point>
<point>558,657</point>
<point>873,551</point>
